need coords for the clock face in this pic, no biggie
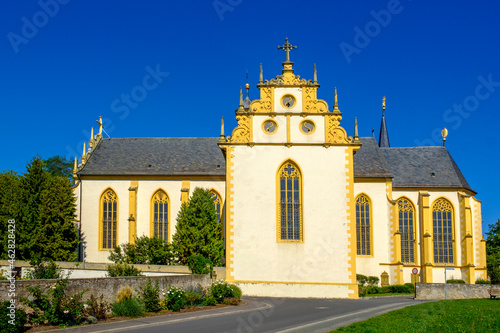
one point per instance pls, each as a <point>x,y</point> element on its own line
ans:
<point>288,101</point>
<point>307,127</point>
<point>269,126</point>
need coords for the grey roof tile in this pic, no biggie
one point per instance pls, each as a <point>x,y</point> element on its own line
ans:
<point>369,160</point>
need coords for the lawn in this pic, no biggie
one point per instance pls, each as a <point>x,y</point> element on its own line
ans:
<point>470,315</point>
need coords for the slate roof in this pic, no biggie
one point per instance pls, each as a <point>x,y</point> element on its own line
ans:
<point>156,156</point>
<point>419,167</point>
<point>424,167</point>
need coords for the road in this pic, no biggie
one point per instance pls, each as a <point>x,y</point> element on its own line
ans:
<point>261,314</point>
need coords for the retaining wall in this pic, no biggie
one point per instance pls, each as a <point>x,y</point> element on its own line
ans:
<point>453,291</point>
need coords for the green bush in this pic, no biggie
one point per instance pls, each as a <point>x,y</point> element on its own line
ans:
<point>128,307</point>
<point>373,290</point>
<point>194,296</point>
<point>44,270</point>
<point>198,264</point>
<point>221,290</point>
<point>54,307</point>
<point>116,270</point>
<point>175,299</point>
<point>482,281</point>
<point>97,307</point>
<point>400,289</point>
<point>12,321</point>
<point>145,250</point>
<point>411,286</point>
<point>361,279</point>
<point>372,281</point>
<point>455,281</point>
<point>150,296</point>
<point>210,300</point>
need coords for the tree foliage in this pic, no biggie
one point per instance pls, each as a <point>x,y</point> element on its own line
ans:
<point>43,206</point>
<point>493,252</point>
<point>197,230</point>
<point>59,166</point>
<point>145,250</point>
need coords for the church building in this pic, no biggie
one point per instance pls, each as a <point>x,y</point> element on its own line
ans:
<point>305,206</point>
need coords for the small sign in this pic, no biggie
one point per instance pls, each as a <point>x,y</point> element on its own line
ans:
<point>414,271</point>
<point>450,268</point>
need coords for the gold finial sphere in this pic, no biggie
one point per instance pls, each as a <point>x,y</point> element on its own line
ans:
<point>444,132</point>
<point>247,86</point>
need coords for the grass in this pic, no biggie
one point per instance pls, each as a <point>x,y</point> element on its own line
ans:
<point>387,294</point>
<point>471,315</point>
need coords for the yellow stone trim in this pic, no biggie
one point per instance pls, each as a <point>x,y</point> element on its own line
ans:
<point>309,121</point>
<point>243,133</point>
<point>185,188</point>
<point>288,134</point>
<point>290,144</point>
<point>433,189</point>
<point>229,214</point>
<point>297,282</point>
<point>334,133</point>
<point>426,232</point>
<point>132,211</point>
<point>351,221</point>
<point>467,242</point>
<point>370,211</point>
<point>152,214</point>
<point>311,103</point>
<point>99,245</point>
<point>154,177</point>
<point>372,180</point>
<point>266,102</point>
<point>275,126</point>
<point>278,197</point>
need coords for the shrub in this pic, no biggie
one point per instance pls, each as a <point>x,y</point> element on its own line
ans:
<point>44,270</point>
<point>410,286</point>
<point>372,281</point>
<point>373,290</point>
<point>97,307</point>
<point>198,264</point>
<point>210,300</point>
<point>145,250</point>
<point>123,270</point>
<point>400,289</point>
<point>125,292</point>
<point>194,296</point>
<point>455,281</point>
<point>54,307</point>
<point>175,299</point>
<point>221,290</point>
<point>231,301</point>
<point>8,324</point>
<point>482,281</point>
<point>128,307</point>
<point>150,296</point>
<point>361,279</point>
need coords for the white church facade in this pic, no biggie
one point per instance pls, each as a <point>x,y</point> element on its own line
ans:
<point>305,206</point>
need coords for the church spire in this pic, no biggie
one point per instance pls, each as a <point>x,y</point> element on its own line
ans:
<point>240,107</point>
<point>336,102</point>
<point>383,139</point>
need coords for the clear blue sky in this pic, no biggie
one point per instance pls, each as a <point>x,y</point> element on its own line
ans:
<point>64,66</point>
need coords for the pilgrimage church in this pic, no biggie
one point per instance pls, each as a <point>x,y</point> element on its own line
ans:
<point>305,205</point>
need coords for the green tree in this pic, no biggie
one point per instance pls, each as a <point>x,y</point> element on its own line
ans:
<point>10,183</point>
<point>197,230</point>
<point>59,166</point>
<point>493,252</point>
<point>145,250</point>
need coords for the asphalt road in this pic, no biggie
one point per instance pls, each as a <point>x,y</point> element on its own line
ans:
<point>262,315</point>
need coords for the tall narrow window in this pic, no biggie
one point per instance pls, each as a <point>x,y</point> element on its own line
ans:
<point>407,230</point>
<point>442,220</point>
<point>160,215</point>
<point>363,232</point>
<point>109,219</point>
<point>217,203</point>
<point>289,202</point>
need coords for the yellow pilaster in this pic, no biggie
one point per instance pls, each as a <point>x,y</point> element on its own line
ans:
<point>351,213</point>
<point>132,211</point>
<point>185,191</point>
<point>467,244</point>
<point>482,249</point>
<point>426,223</point>
<point>397,255</point>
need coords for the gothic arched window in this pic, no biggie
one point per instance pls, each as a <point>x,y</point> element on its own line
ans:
<point>109,220</point>
<point>442,222</point>
<point>406,213</point>
<point>363,226</point>
<point>160,215</point>
<point>290,224</point>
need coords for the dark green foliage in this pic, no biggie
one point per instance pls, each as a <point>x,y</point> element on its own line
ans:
<point>146,250</point>
<point>361,279</point>
<point>59,166</point>
<point>128,307</point>
<point>400,288</point>
<point>43,207</point>
<point>221,290</point>
<point>116,270</point>
<point>482,281</point>
<point>455,281</point>
<point>410,286</point>
<point>198,264</point>
<point>194,296</point>
<point>17,319</point>
<point>493,252</point>
<point>150,296</point>
<point>372,280</point>
<point>175,299</point>
<point>197,229</point>
<point>44,270</point>
<point>97,307</point>
<point>55,307</point>
<point>471,315</point>
<point>407,288</point>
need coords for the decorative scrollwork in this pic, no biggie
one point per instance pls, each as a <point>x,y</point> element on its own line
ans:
<point>242,132</point>
<point>311,103</point>
<point>335,133</point>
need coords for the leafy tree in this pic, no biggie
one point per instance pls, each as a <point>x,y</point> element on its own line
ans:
<point>10,196</point>
<point>59,166</point>
<point>493,252</point>
<point>197,230</point>
<point>145,250</point>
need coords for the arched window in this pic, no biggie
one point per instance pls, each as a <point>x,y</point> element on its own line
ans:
<point>160,215</point>
<point>217,203</point>
<point>109,219</point>
<point>442,221</point>
<point>363,231</point>
<point>290,226</point>
<point>406,213</point>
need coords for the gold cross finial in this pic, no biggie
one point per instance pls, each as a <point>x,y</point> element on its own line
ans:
<point>383,103</point>
<point>287,47</point>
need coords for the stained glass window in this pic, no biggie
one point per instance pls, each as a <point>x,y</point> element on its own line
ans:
<point>109,223</point>
<point>363,232</point>
<point>290,210</point>
<point>406,213</point>
<point>442,219</point>
<point>217,203</point>
<point>160,215</point>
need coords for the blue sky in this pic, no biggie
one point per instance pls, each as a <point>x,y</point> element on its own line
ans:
<point>64,63</point>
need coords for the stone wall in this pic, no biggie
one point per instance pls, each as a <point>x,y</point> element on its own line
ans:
<point>108,286</point>
<point>453,291</point>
